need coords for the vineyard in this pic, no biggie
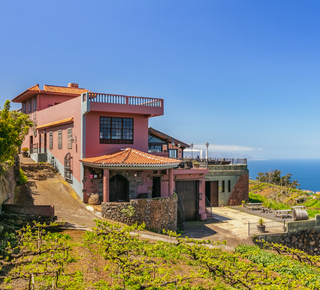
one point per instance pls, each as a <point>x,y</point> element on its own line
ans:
<point>114,257</point>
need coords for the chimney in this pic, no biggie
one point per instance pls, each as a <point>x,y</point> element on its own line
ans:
<point>73,85</point>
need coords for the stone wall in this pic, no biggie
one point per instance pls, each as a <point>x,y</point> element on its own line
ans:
<point>240,191</point>
<point>156,213</point>
<point>8,181</point>
<point>305,240</point>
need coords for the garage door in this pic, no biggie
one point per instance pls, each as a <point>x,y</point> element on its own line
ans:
<point>188,192</point>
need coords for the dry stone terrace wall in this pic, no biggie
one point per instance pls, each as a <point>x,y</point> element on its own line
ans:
<point>156,213</point>
<point>305,240</point>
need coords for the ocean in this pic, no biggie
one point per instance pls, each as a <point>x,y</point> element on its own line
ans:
<point>306,171</point>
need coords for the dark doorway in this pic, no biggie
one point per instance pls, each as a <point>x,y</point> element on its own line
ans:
<point>31,144</point>
<point>156,187</point>
<point>188,195</point>
<point>45,142</point>
<point>212,192</point>
<point>118,189</point>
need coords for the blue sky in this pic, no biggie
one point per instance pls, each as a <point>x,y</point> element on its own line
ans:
<point>242,75</point>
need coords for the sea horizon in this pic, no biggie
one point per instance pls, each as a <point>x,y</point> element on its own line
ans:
<point>305,171</point>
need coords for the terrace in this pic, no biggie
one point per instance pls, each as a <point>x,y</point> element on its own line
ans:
<point>124,104</point>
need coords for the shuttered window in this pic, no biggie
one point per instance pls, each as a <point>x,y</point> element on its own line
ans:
<point>60,139</point>
<point>50,140</point>
<point>69,138</point>
<point>35,104</point>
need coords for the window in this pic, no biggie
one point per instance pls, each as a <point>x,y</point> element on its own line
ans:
<point>116,130</point>
<point>60,139</point>
<point>50,140</point>
<point>30,106</point>
<point>69,138</point>
<point>173,153</point>
<point>35,104</point>
<point>155,148</point>
<point>229,185</point>
<point>24,107</point>
<point>223,186</point>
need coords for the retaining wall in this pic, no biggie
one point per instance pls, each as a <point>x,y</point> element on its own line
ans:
<point>156,213</point>
<point>302,235</point>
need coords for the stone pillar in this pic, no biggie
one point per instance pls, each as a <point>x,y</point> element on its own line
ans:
<point>105,185</point>
<point>170,186</point>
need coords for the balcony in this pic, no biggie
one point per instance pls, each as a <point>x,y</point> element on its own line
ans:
<point>124,104</point>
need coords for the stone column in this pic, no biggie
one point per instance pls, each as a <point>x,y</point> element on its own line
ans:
<point>105,185</point>
<point>170,177</point>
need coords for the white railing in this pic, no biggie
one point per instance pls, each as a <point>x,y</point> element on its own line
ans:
<point>123,100</point>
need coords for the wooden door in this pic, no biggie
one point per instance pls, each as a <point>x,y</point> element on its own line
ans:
<point>188,195</point>
<point>118,189</point>
<point>214,193</point>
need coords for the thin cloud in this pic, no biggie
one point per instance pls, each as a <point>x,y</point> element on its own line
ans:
<point>224,148</point>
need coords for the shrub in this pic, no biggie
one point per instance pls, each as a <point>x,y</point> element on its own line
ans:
<point>22,177</point>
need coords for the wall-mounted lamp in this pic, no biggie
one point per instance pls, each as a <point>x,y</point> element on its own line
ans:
<point>73,138</point>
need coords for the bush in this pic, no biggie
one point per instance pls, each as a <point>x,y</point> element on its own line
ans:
<point>22,177</point>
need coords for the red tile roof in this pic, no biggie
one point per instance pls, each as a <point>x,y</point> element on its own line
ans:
<point>131,158</point>
<point>56,123</point>
<point>64,90</point>
<point>34,88</point>
<point>29,93</point>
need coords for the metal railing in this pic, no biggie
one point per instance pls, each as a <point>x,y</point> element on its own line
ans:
<point>34,148</point>
<point>124,100</point>
<point>209,207</point>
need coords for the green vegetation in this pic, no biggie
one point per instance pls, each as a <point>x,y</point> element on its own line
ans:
<point>281,197</point>
<point>274,177</point>
<point>14,126</point>
<point>22,177</point>
<point>112,257</point>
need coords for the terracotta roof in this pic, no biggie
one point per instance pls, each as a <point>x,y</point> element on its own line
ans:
<point>64,90</point>
<point>56,123</point>
<point>165,137</point>
<point>130,157</point>
<point>29,93</point>
<point>34,88</point>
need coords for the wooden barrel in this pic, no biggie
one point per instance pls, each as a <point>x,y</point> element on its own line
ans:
<point>299,214</point>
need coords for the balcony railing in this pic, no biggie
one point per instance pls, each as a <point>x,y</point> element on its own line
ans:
<point>124,100</point>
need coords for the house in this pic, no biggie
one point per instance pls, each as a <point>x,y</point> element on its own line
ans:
<point>100,144</point>
<point>162,144</point>
<point>227,182</point>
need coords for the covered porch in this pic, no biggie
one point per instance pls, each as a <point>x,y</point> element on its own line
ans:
<point>128,174</point>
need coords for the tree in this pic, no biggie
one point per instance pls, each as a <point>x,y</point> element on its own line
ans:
<point>274,177</point>
<point>14,126</point>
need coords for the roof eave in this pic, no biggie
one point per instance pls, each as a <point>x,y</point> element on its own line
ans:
<point>121,166</point>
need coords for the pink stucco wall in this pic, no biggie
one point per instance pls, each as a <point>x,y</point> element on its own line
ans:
<point>71,108</point>
<point>46,100</point>
<point>93,146</point>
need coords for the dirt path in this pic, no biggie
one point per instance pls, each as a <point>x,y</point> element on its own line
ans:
<point>55,191</point>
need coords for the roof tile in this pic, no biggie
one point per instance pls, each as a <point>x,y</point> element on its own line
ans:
<point>131,158</point>
<point>65,90</point>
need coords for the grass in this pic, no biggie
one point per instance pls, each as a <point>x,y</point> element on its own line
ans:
<point>287,197</point>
